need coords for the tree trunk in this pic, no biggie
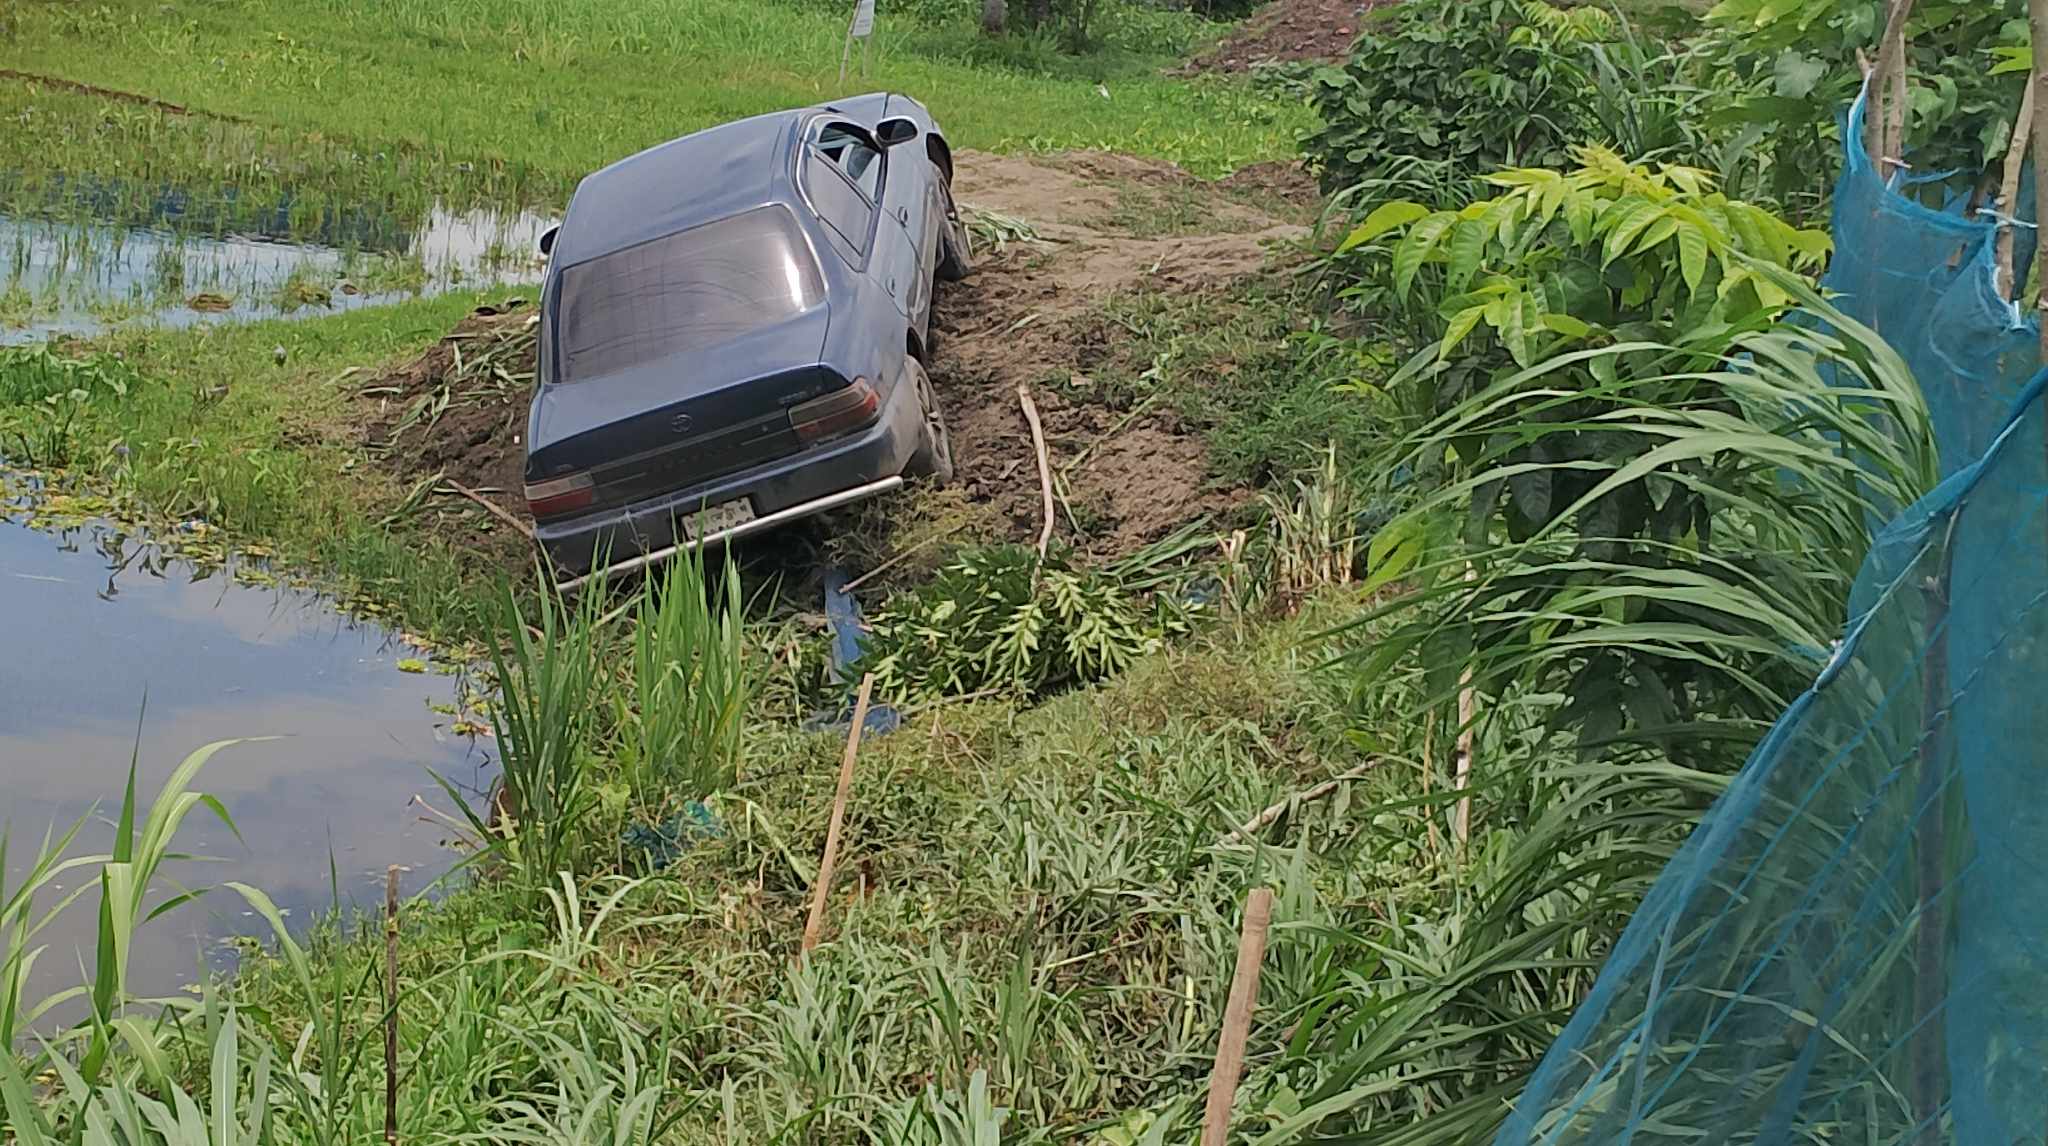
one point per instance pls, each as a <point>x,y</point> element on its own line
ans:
<point>995,16</point>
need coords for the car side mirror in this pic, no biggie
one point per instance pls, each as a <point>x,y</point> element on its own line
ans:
<point>894,130</point>
<point>547,240</point>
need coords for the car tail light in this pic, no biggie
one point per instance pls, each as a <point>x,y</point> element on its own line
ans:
<point>557,496</point>
<point>835,413</point>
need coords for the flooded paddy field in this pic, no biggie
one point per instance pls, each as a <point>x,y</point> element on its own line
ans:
<point>113,217</point>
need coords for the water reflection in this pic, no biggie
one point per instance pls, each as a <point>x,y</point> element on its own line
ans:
<point>83,263</point>
<point>93,623</point>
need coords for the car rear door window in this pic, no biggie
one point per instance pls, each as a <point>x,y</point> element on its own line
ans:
<point>838,202</point>
<point>686,291</point>
<point>854,155</point>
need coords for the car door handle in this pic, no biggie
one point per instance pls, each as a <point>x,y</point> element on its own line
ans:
<point>903,215</point>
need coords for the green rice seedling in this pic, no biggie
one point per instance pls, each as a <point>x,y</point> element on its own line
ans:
<point>551,687</point>
<point>681,736</point>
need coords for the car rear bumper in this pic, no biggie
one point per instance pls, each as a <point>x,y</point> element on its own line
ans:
<point>861,465</point>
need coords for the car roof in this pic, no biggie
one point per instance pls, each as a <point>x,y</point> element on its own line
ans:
<point>703,176</point>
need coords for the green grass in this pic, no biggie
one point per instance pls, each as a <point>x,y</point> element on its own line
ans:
<point>563,86</point>
<point>211,427</point>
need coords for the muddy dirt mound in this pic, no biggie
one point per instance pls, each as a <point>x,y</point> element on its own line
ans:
<point>1276,181</point>
<point>459,409</point>
<point>1286,31</point>
<point>1031,315</point>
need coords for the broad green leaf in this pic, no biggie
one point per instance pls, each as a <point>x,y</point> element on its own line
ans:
<point>1384,218</point>
<point>1468,246</point>
<point>1566,325</point>
<point>1794,74</point>
<point>1416,246</point>
<point>1461,325</point>
<point>1626,219</point>
<point>1659,231</point>
<point>1692,255</point>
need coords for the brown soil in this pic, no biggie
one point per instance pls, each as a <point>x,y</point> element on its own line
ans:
<point>1286,31</point>
<point>459,411</point>
<point>1027,316</point>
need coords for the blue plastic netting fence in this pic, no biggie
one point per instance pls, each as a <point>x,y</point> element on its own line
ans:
<point>1853,945</point>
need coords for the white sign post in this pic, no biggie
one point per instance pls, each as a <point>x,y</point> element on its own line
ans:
<point>863,25</point>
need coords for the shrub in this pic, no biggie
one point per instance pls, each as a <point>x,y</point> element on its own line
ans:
<point>1641,485</point>
<point>1473,86</point>
<point>1788,69</point>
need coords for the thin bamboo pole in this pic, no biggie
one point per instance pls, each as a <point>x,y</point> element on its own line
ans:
<point>1887,86</point>
<point>1461,771</point>
<point>1237,1016</point>
<point>815,925</point>
<point>391,1005</point>
<point>1044,466</point>
<point>2037,23</point>
<point>2009,192</point>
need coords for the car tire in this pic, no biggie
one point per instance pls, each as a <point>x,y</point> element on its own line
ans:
<point>956,246</point>
<point>934,456</point>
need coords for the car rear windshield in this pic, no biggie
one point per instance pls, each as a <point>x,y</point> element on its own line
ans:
<point>689,290</point>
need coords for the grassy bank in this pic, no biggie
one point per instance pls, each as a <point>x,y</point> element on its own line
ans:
<point>566,87</point>
<point>207,425</point>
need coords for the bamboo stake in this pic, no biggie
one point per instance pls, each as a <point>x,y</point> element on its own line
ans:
<point>498,511</point>
<point>1891,58</point>
<point>2037,22</point>
<point>391,1005</point>
<point>2009,192</point>
<point>1895,112</point>
<point>1274,811</point>
<point>816,923</point>
<point>885,566</point>
<point>1044,465</point>
<point>1461,773</point>
<point>1429,773</point>
<point>1237,1016</point>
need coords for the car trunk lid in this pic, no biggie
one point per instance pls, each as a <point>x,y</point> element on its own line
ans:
<point>682,420</point>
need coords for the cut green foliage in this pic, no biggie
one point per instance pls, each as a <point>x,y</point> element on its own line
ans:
<point>998,619</point>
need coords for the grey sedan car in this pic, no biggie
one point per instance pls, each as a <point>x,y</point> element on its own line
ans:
<point>734,327</point>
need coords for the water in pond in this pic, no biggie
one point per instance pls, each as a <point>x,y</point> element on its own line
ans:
<point>94,621</point>
<point>84,258</point>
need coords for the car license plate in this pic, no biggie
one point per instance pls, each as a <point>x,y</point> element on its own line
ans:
<point>692,526</point>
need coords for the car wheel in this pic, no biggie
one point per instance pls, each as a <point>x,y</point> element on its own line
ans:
<point>956,247</point>
<point>934,456</point>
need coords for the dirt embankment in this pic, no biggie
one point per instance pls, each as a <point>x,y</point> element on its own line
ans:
<point>1077,230</point>
<point>1284,32</point>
